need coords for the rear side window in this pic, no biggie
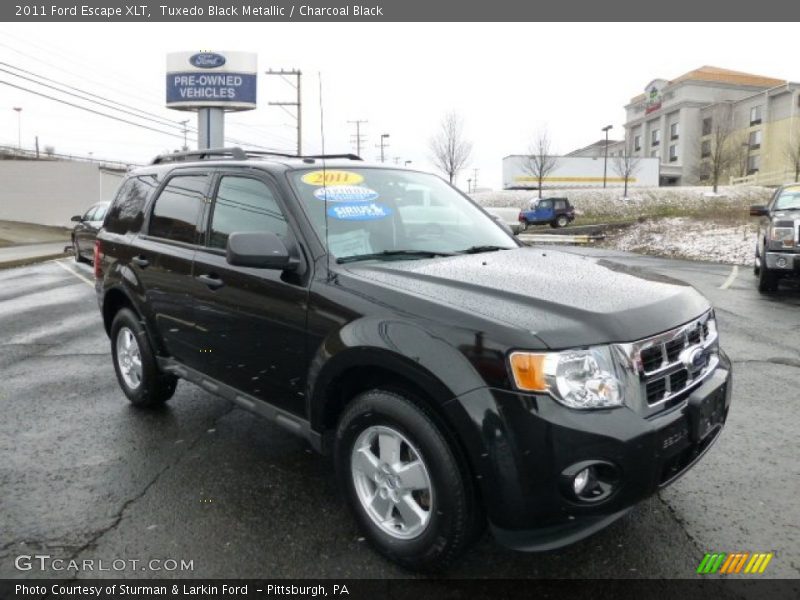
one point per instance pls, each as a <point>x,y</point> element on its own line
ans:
<point>127,213</point>
<point>244,204</point>
<point>178,207</point>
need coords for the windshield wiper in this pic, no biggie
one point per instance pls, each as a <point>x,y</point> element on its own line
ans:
<point>479,249</point>
<point>393,253</point>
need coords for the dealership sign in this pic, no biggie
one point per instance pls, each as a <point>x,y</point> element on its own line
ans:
<point>211,79</point>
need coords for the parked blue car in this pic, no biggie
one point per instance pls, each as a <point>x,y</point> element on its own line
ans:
<point>557,212</point>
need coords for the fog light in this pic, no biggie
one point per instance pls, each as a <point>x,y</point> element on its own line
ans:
<point>781,262</point>
<point>581,480</point>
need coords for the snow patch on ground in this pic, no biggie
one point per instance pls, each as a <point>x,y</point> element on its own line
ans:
<point>688,238</point>
<point>610,204</point>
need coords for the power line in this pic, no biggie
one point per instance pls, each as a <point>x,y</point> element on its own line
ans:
<point>91,110</point>
<point>158,120</point>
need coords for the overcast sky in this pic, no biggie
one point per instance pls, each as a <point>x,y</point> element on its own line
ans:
<point>505,80</point>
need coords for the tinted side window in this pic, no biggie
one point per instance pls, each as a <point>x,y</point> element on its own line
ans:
<point>127,212</point>
<point>545,204</point>
<point>244,204</point>
<point>560,205</point>
<point>177,209</point>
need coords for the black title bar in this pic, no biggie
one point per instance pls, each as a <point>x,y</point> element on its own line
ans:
<point>399,10</point>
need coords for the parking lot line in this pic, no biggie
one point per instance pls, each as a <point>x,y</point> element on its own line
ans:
<point>731,278</point>
<point>78,275</point>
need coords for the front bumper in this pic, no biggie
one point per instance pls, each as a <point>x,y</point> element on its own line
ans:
<point>528,441</point>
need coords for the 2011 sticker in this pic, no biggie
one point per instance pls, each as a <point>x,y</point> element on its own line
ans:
<point>345,193</point>
<point>359,211</point>
<point>332,178</point>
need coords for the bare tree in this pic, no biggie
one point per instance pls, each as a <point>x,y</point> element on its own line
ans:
<point>725,148</point>
<point>539,162</point>
<point>451,151</point>
<point>625,165</point>
<point>792,151</point>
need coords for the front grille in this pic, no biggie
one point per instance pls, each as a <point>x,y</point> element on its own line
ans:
<point>668,366</point>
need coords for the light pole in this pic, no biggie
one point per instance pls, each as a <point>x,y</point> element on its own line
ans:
<point>408,162</point>
<point>19,126</point>
<point>605,154</point>
<point>384,137</point>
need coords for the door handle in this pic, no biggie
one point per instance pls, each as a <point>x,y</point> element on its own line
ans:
<point>140,261</point>
<point>212,281</point>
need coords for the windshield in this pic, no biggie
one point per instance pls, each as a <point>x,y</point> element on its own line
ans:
<point>789,198</point>
<point>391,212</point>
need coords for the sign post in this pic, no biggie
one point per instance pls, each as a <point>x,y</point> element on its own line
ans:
<point>211,83</point>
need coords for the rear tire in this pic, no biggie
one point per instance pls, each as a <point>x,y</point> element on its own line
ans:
<point>767,280</point>
<point>135,363</point>
<point>78,257</point>
<point>409,491</point>
<point>561,221</point>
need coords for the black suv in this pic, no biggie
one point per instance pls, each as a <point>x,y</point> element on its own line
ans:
<point>457,377</point>
<point>778,241</point>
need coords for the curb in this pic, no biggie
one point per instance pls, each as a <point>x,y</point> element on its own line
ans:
<point>22,262</point>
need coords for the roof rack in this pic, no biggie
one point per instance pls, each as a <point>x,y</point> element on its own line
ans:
<point>237,153</point>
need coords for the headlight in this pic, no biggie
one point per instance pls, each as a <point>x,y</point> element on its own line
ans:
<point>576,378</point>
<point>783,235</point>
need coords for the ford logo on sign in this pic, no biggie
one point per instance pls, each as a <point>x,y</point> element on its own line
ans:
<point>207,60</point>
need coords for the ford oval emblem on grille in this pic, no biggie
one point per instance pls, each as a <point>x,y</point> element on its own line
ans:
<point>207,60</point>
<point>696,359</point>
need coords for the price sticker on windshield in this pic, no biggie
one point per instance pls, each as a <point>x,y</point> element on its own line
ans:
<point>332,178</point>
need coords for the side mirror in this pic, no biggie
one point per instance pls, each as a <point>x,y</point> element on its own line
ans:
<point>758,210</point>
<point>77,218</point>
<point>260,250</point>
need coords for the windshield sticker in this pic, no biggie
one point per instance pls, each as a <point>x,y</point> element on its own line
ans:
<point>359,211</point>
<point>332,178</point>
<point>350,243</point>
<point>345,193</point>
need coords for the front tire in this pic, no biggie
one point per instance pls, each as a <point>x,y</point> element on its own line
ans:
<point>408,489</point>
<point>135,363</point>
<point>767,280</point>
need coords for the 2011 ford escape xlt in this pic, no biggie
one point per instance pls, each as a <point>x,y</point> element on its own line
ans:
<point>456,377</point>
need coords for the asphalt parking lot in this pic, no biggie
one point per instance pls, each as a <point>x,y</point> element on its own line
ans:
<point>85,476</point>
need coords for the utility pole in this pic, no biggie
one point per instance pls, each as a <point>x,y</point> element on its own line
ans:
<point>185,129</point>
<point>297,104</point>
<point>605,154</point>
<point>383,145</point>
<point>469,186</point>
<point>358,138</point>
<point>37,146</point>
<point>475,179</point>
<point>397,160</point>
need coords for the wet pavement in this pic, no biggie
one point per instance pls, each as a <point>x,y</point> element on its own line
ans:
<point>84,476</point>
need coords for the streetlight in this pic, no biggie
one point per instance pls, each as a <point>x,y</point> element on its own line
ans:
<point>408,162</point>
<point>605,154</point>
<point>384,136</point>
<point>19,126</point>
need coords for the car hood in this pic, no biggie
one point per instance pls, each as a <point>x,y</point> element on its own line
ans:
<point>564,299</point>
